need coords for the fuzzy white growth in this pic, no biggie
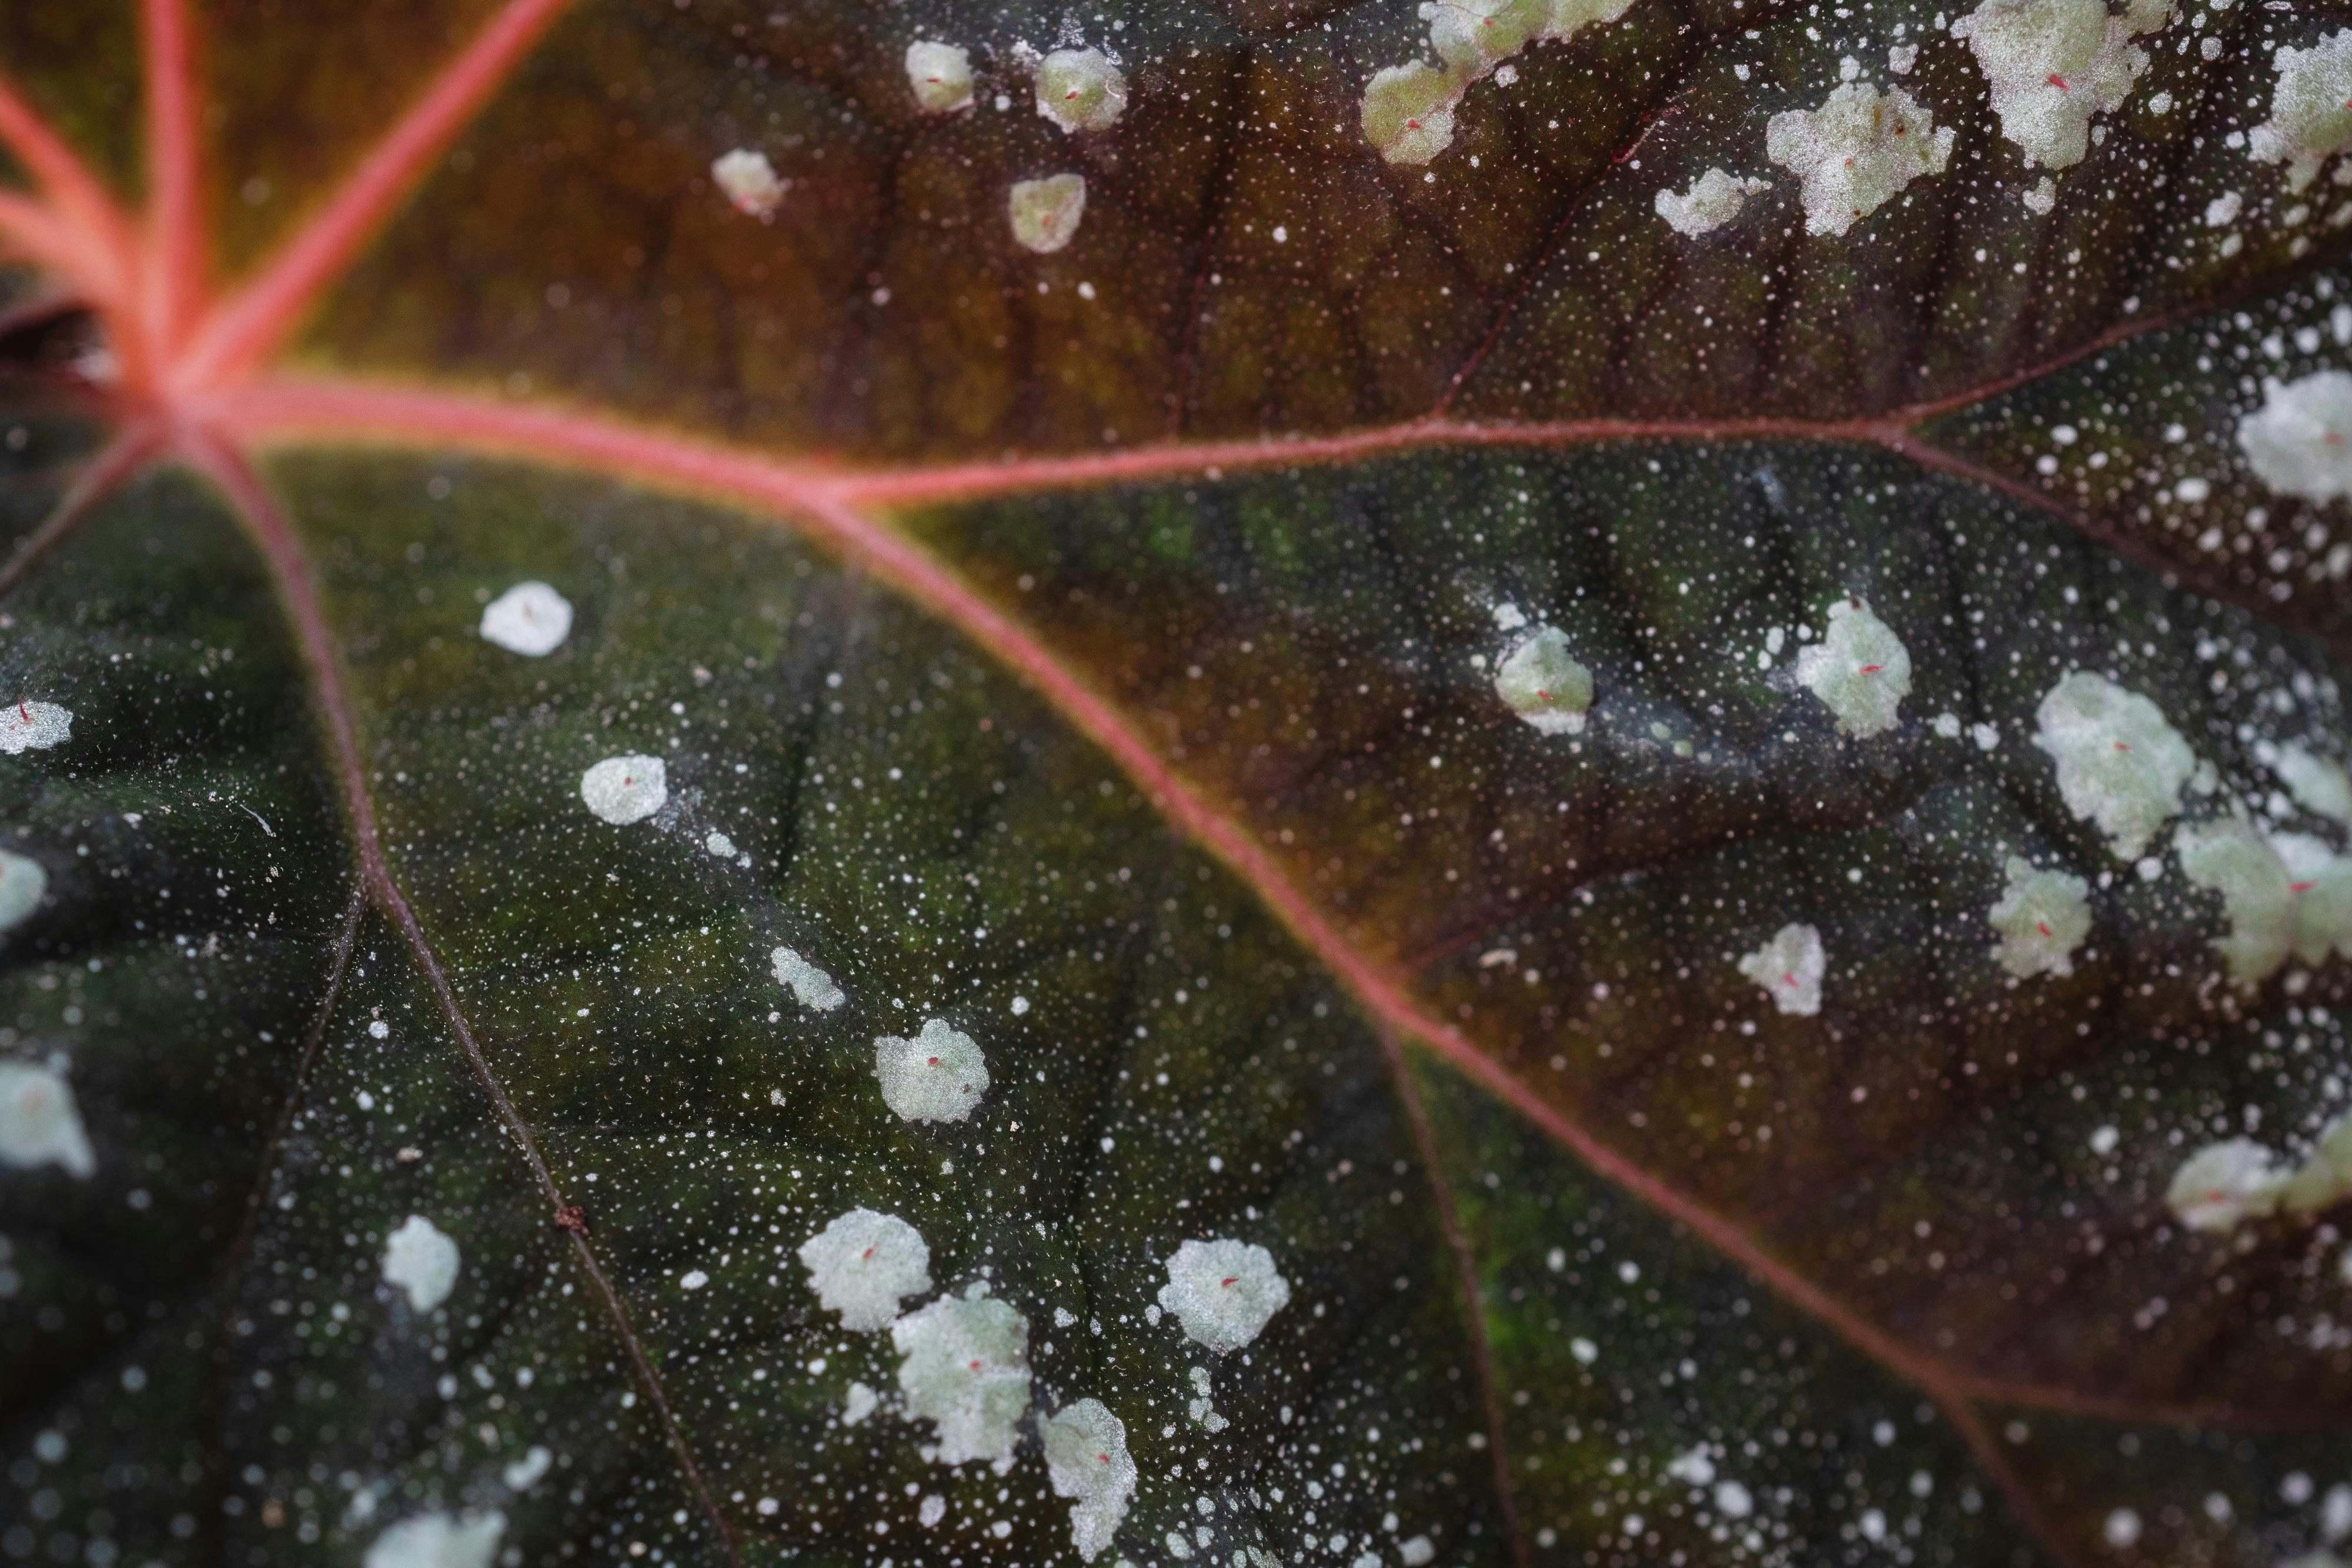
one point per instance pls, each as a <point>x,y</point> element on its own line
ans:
<point>1046,213</point>
<point>34,726</point>
<point>940,76</point>
<point>624,790</point>
<point>2318,784</point>
<point>1087,1459</point>
<point>1856,152</point>
<point>937,1076</point>
<point>2325,1179</point>
<point>863,1264</point>
<point>1860,669</point>
<point>22,883</point>
<point>1712,200</point>
<point>2229,857</point>
<point>1541,682</point>
<point>531,619</point>
<point>2224,1183</point>
<point>2042,916</point>
<point>528,1471</point>
<point>2311,110</point>
<point>1408,109</point>
<point>2120,762</point>
<point>438,1540</point>
<point>2053,63</point>
<point>747,179</point>
<point>2299,443</point>
<point>811,986</point>
<point>2321,883</point>
<point>1223,1292</point>
<point>965,1368</point>
<point>1080,90</point>
<point>1474,36</point>
<point>2041,196</point>
<point>420,1259</point>
<point>39,1122</point>
<point>858,1404</point>
<point>1408,113</point>
<point>1789,968</point>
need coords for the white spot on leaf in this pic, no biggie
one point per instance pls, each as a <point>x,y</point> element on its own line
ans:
<point>2120,762</point>
<point>1087,1459</point>
<point>2299,443</point>
<point>22,885</point>
<point>2041,916</point>
<point>624,790</point>
<point>531,619</point>
<point>863,1264</point>
<point>1544,684</point>
<point>39,1122</point>
<point>1712,200</point>
<point>940,76</point>
<point>2318,784</point>
<point>1860,669</point>
<point>421,1261</point>
<point>2224,1183</point>
<point>526,1471</point>
<point>965,1369</point>
<point>2229,857</point>
<point>34,726</point>
<point>937,1076</point>
<point>809,985</point>
<point>1046,213</point>
<point>438,1540</point>
<point>2311,108</point>
<point>749,180</point>
<point>1223,1292</point>
<point>1789,968</point>
<point>1080,90</point>
<point>2053,63</point>
<point>1856,152</point>
<point>2321,883</point>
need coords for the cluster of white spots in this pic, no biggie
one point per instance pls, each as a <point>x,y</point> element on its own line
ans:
<point>811,986</point>
<point>1541,682</point>
<point>747,179</point>
<point>1712,200</point>
<point>2311,108</point>
<point>2299,443</point>
<point>1202,1408</point>
<point>22,883</point>
<point>1856,152</point>
<point>422,1261</point>
<point>965,1369</point>
<point>1408,109</point>
<point>863,1264</point>
<point>2321,882</point>
<point>39,1122</point>
<point>1045,213</point>
<point>1087,1459</point>
<point>940,77</point>
<point>2053,63</point>
<point>2227,856</point>
<point>624,790</point>
<point>2041,916</point>
<point>2238,1179</point>
<point>531,619</point>
<point>34,726</point>
<point>1080,90</point>
<point>439,1541</point>
<point>1223,1292</point>
<point>2318,784</point>
<point>2120,762</point>
<point>937,1076</point>
<point>1859,668</point>
<point>1789,968</point>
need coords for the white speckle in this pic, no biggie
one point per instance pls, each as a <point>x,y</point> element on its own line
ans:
<point>693,1280</point>
<point>2229,857</point>
<point>1408,114</point>
<point>2325,1179</point>
<point>1087,1459</point>
<point>749,180</point>
<point>863,1263</point>
<point>934,1509</point>
<point>418,1259</point>
<point>1045,213</point>
<point>1223,1292</point>
<point>1020,1006</point>
<point>809,985</point>
<point>2053,63</point>
<point>2192,490</point>
<point>1733,1501</point>
<point>2122,1529</point>
<point>1860,669</point>
<point>2104,1141</point>
<point>966,1370</point>
<point>1712,200</point>
<point>2318,784</point>
<point>2041,916</point>
<point>1080,90</point>
<point>1584,1350</point>
<point>2311,110</point>
<point>1901,58</point>
<point>2120,762</point>
<point>1416,1552</point>
<point>1508,617</point>
<point>718,843</point>
<point>2224,1183</point>
<point>2299,443</point>
<point>939,1076</point>
<point>940,76</point>
<point>525,1472</point>
<point>1696,1468</point>
<point>2042,196</point>
<point>858,1404</point>
<point>22,883</point>
<point>1541,682</point>
<point>39,1122</point>
<point>2223,209</point>
<point>378,1030</point>
<point>34,726</point>
<point>1856,152</point>
<point>2336,1511</point>
<point>531,619</point>
<point>1946,724</point>
<point>1790,967</point>
<point>437,1541</point>
<point>624,790</point>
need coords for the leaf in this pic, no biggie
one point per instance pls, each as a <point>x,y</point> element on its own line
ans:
<point>1488,798</point>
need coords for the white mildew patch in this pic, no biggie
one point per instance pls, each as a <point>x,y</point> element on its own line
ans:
<point>863,1264</point>
<point>2311,108</point>
<point>1408,109</point>
<point>531,619</point>
<point>1408,113</point>
<point>1223,1292</point>
<point>965,1369</point>
<point>1080,90</point>
<point>1712,200</point>
<point>1087,1459</point>
<point>2224,1183</point>
<point>1856,152</point>
<point>2041,196</point>
<point>1860,669</point>
<point>1541,682</point>
<point>2120,762</point>
<point>2041,916</point>
<point>718,846</point>
<point>2299,443</point>
<point>2324,1178</point>
<point>34,726</point>
<point>1045,213</point>
<point>39,1122</point>
<point>1201,1407</point>
<point>439,1541</point>
<point>23,882</point>
<point>1789,968</point>
<point>812,985</point>
<point>2053,63</point>
<point>530,1470</point>
<point>748,180</point>
<point>422,1261</point>
<point>858,1404</point>
<point>939,74</point>
<point>2321,883</point>
<point>937,1076</point>
<point>624,790</point>
<point>2229,857</point>
<point>2318,784</point>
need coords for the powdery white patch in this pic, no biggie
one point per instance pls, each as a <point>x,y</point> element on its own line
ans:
<point>1408,113</point>
<point>439,1541</point>
<point>2041,196</point>
<point>1860,669</point>
<point>624,790</point>
<point>858,1404</point>
<point>22,883</point>
<point>34,726</point>
<point>1712,200</point>
<point>940,76</point>
<point>1223,1292</point>
<point>1856,152</point>
<point>2311,108</point>
<point>1408,109</point>
<point>747,179</point>
<point>2299,443</point>
<point>1045,213</point>
<point>2229,857</point>
<point>2120,762</point>
<point>2321,883</point>
<point>2042,916</point>
<point>531,619</point>
<point>530,1470</point>
<point>1417,1552</point>
<point>1696,1468</point>
<point>2324,1179</point>
<point>2318,784</point>
<point>809,985</point>
<point>2053,63</point>
<point>718,844</point>
<point>39,1122</point>
<point>1080,90</point>
<point>863,1264</point>
<point>937,1076</point>
<point>965,1369</point>
<point>1790,967</point>
<point>420,1259</point>
<point>2224,1183</point>
<point>1087,1459</point>
<point>1544,684</point>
